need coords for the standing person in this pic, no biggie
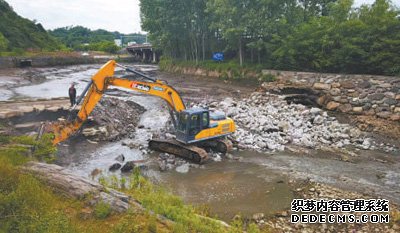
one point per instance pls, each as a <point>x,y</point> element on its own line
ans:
<point>72,94</point>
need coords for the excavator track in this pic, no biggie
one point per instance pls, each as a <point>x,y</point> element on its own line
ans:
<point>189,152</point>
<point>224,146</point>
<point>219,145</point>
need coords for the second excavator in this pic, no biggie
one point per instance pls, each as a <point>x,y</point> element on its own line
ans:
<point>196,129</point>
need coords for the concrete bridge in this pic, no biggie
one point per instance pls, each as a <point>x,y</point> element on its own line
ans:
<point>144,52</point>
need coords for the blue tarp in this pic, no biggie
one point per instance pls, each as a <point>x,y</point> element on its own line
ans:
<point>218,56</point>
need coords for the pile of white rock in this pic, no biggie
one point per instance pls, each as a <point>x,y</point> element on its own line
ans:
<point>267,122</point>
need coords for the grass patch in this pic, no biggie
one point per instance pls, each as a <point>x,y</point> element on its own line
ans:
<point>20,149</point>
<point>267,78</point>
<point>187,218</point>
<point>227,69</point>
<point>28,205</point>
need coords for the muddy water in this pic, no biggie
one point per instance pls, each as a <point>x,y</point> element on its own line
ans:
<point>57,82</point>
<point>230,188</point>
<point>379,177</point>
<point>103,157</point>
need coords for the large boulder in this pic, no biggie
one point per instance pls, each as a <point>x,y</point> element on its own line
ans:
<point>322,86</point>
<point>345,108</point>
<point>120,158</point>
<point>114,167</point>
<point>358,109</point>
<point>335,91</point>
<point>364,85</point>
<point>347,84</point>
<point>332,105</point>
<point>390,101</point>
<point>69,184</point>
<point>384,114</point>
<point>184,168</point>
<point>376,96</point>
<point>128,167</point>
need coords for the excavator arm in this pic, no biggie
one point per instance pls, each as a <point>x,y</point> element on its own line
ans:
<point>100,82</point>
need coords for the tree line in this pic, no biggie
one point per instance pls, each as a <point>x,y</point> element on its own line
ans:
<point>307,35</point>
<point>18,34</point>
<point>82,38</point>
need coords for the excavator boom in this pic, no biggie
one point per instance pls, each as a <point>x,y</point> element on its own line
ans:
<point>99,84</point>
<point>193,126</point>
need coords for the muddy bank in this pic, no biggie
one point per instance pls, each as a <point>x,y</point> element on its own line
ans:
<point>19,111</point>
<point>49,61</point>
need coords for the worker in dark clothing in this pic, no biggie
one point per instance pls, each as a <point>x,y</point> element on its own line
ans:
<point>72,94</point>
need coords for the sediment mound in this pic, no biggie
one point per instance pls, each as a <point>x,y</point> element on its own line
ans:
<point>113,119</point>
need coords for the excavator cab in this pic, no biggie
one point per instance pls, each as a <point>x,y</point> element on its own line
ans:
<point>190,123</point>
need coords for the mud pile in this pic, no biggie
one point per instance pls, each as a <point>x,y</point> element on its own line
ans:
<point>113,119</point>
<point>267,122</point>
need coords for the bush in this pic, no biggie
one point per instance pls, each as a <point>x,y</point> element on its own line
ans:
<point>18,149</point>
<point>105,46</point>
<point>102,210</point>
<point>267,78</point>
<point>227,69</point>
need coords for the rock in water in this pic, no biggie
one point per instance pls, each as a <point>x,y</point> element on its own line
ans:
<point>114,167</point>
<point>128,167</point>
<point>120,158</point>
<point>184,168</point>
<point>258,216</point>
<point>366,144</point>
<point>162,165</point>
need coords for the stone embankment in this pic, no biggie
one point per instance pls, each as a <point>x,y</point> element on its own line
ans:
<point>369,95</point>
<point>267,122</point>
<point>354,94</point>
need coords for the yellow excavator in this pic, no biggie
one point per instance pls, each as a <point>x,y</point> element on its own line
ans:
<point>196,129</point>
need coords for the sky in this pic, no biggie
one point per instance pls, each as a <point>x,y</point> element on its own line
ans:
<point>114,15</point>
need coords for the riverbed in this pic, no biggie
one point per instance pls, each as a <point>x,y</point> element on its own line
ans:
<point>255,182</point>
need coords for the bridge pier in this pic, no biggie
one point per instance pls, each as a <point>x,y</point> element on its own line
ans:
<point>144,53</point>
<point>144,56</point>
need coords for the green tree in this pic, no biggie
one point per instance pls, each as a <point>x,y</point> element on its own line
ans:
<point>3,43</point>
<point>230,21</point>
<point>22,34</point>
<point>312,35</point>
